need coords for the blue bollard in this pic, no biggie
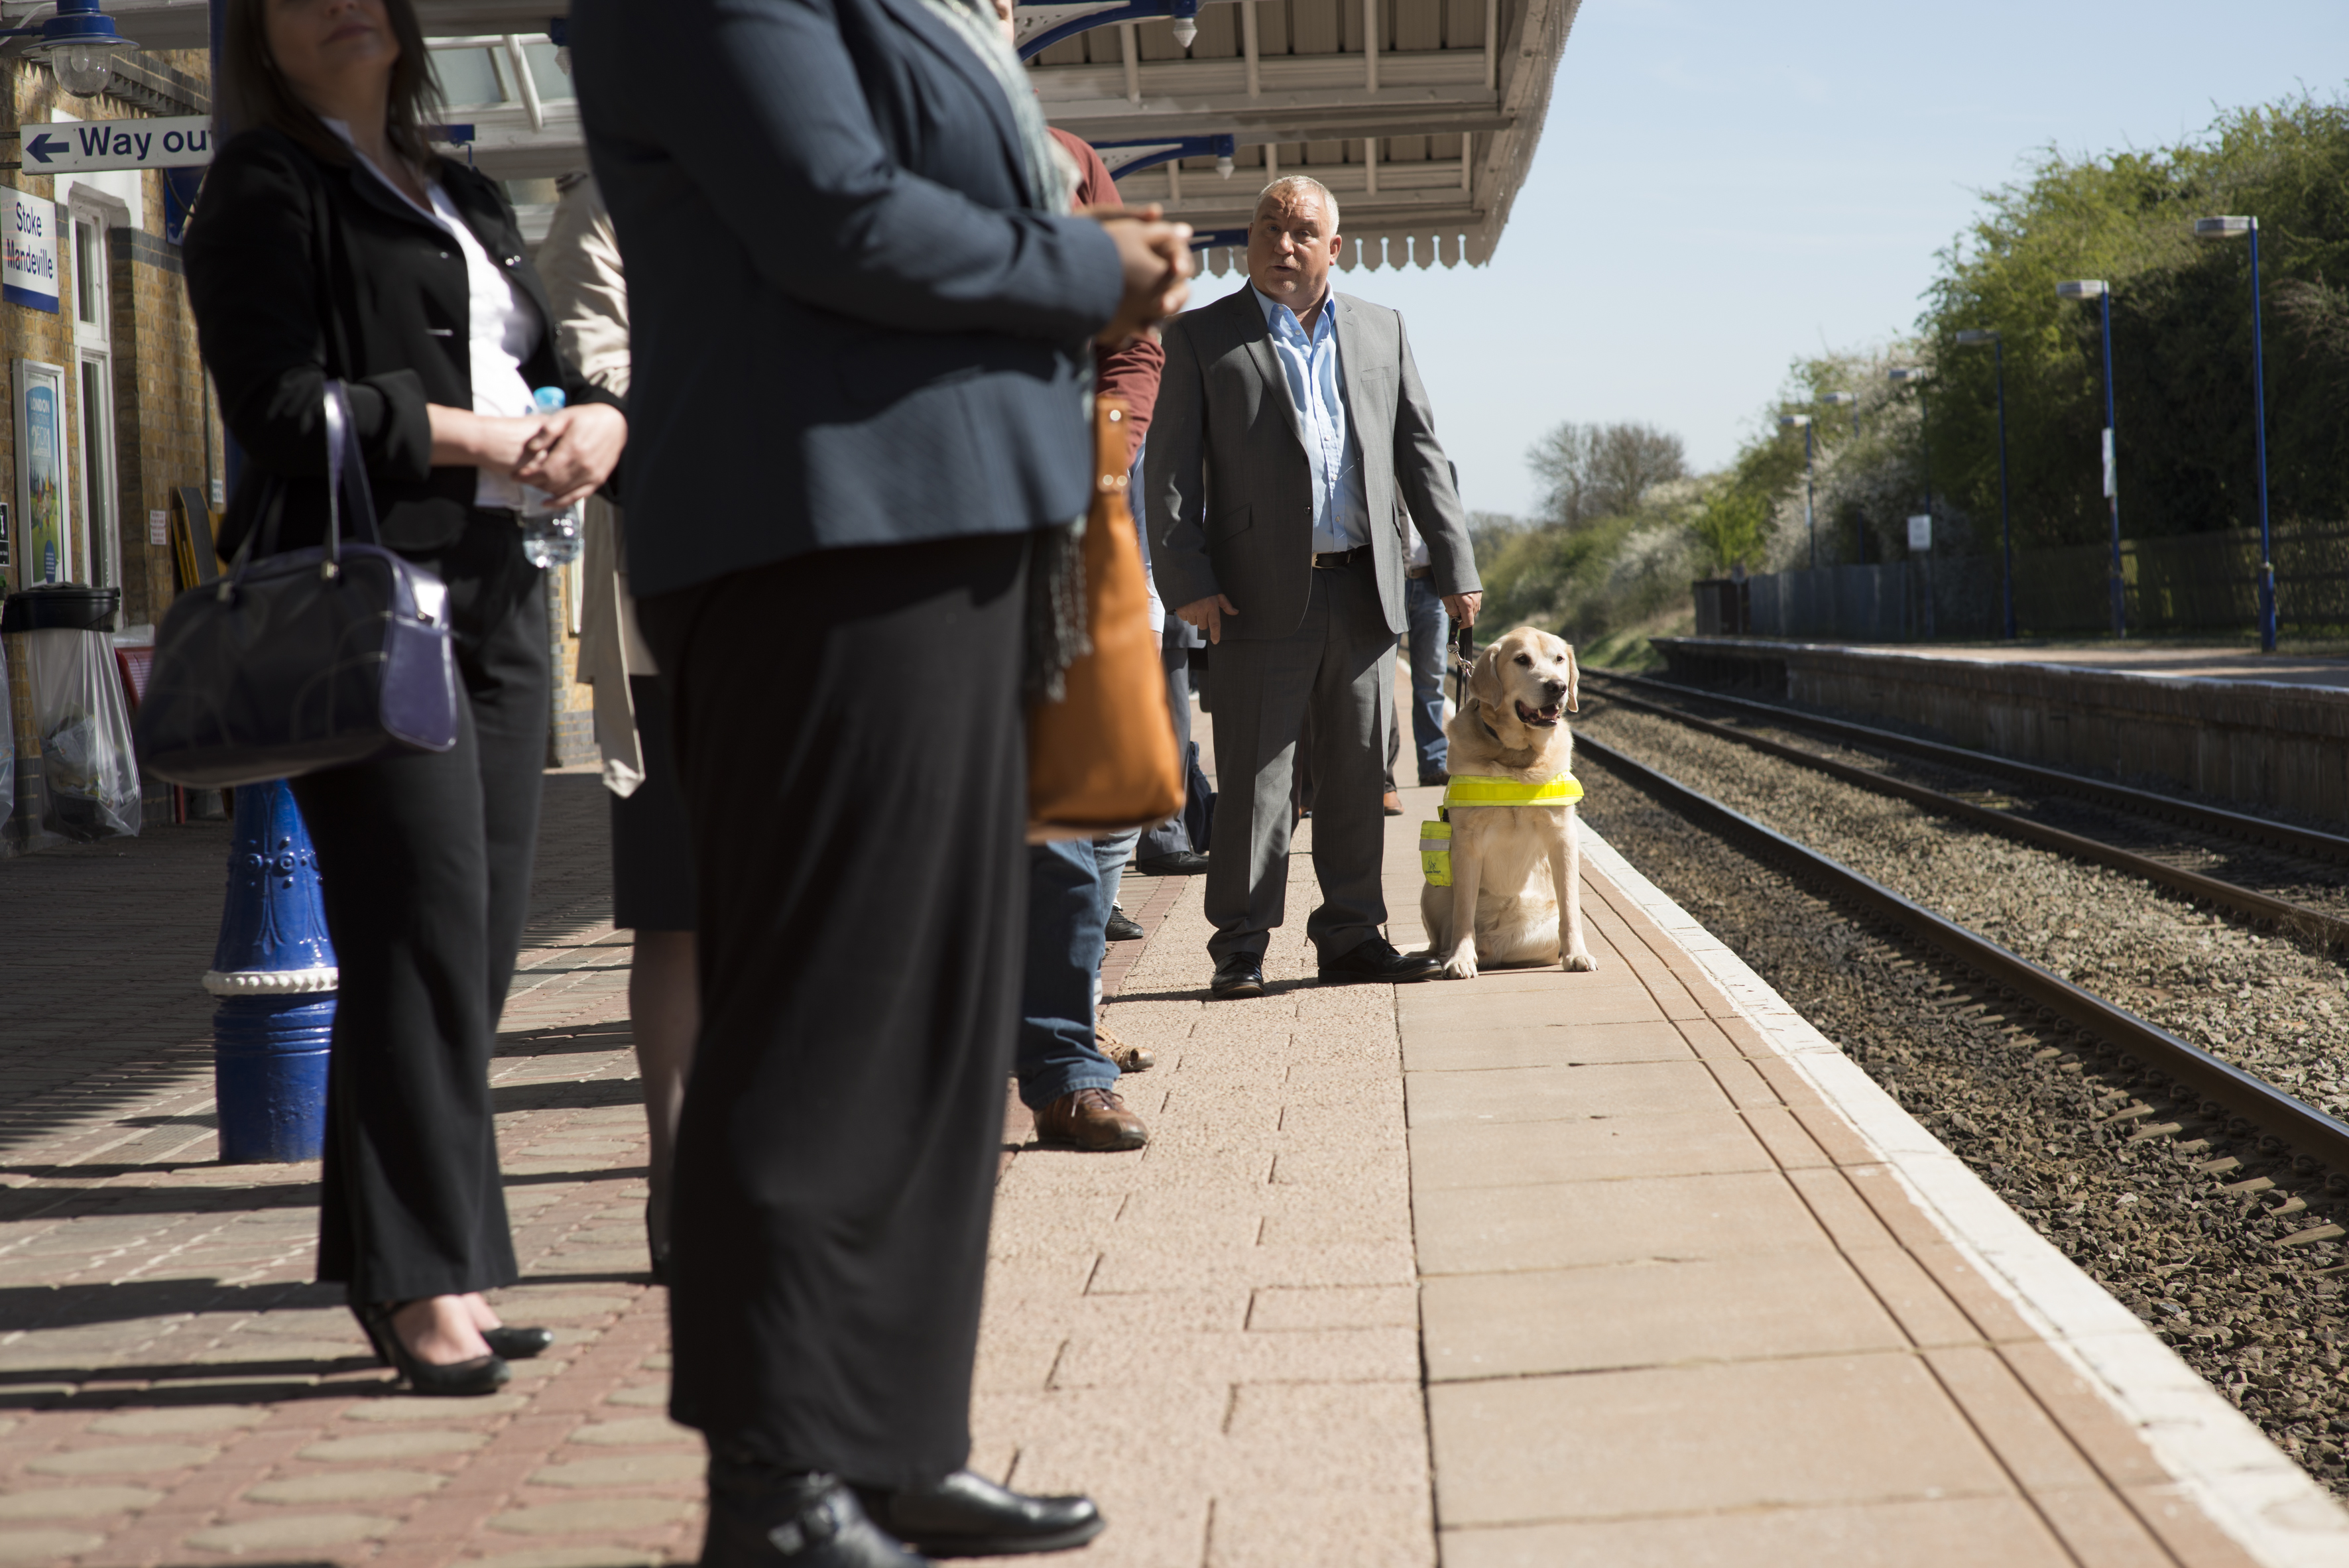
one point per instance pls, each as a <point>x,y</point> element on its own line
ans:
<point>275,973</point>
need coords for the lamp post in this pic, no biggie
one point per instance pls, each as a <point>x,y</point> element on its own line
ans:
<point>1803,422</point>
<point>1914,375</point>
<point>2227,229</point>
<point>1843,400</point>
<point>1974,337</point>
<point>1859,520</point>
<point>2096,289</point>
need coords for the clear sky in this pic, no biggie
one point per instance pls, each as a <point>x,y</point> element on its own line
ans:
<point>1725,184</point>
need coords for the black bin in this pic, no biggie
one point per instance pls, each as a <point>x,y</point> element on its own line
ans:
<point>62,607</point>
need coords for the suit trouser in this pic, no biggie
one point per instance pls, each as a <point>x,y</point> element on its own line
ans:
<point>853,751</point>
<point>1338,670</point>
<point>425,863</point>
<point>1170,837</point>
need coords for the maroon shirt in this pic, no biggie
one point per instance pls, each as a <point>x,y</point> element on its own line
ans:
<point>1132,372</point>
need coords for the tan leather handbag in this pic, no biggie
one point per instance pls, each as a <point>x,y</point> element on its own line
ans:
<point>1102,760</point>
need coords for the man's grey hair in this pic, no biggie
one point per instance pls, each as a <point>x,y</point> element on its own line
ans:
<point>1293,185</point>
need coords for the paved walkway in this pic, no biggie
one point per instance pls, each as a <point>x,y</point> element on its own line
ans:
<point>1537,1269</point>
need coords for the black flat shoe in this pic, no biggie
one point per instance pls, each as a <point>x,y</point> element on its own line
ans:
<point>761,1516</point>
<point>1238,977</point>
<point>968,1515</point>
<point>455,1380</point>
<point>1181,863</point>
<point>518,1344</point>
<point>1375,962</point>
<point>1121,927</point>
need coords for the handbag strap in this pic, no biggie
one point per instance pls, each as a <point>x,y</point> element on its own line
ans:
<point>345,473</point>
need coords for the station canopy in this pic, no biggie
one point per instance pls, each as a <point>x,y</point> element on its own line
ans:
<point>1421,116</point>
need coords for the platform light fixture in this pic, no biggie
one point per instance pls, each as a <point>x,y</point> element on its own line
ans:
<point>1974,337</point>
<point>2228,228</point>
<point>1810,522</point>
<point>2096,289</point>
<point>78,43</point>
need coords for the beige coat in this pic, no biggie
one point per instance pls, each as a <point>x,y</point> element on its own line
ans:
<point>580,263</point>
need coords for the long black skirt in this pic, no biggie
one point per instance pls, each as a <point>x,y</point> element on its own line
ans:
<point>850,737</point>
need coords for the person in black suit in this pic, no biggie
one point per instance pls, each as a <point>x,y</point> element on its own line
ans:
<point>333,243</point>
<point>862,320</point>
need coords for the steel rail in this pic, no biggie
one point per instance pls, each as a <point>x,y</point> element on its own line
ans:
<point>2218,1086</point>
<point>2328,931</point>
<point>2309,841</point>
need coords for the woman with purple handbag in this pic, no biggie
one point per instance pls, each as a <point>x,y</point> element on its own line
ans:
<point>332,245</point>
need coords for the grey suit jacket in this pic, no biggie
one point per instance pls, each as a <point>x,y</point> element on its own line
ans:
<point>1229,490</point>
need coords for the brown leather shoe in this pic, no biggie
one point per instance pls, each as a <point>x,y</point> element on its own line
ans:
<point>1129,1058</point>
<point>1090,1118</point>
<point>1394,804</point>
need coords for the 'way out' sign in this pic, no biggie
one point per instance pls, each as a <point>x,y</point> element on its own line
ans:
<point>84,146</point>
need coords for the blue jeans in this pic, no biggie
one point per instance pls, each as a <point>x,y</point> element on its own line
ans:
<point>1068,906</point>
<point>1423,613</point>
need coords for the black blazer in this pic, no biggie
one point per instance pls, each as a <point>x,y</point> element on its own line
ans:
<point>849,323</point>
<point>298,270</point>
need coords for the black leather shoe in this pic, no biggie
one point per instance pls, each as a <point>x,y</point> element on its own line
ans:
<point>1376,962</point>
<point>1433,780</point>
<point>519,1343</point>
<point>761,1516</point>
<point>1238,976</point>
<point>432,1379</point>
<point>1121,927</point>
<point>968,1515</point>
<point>1181,863</point>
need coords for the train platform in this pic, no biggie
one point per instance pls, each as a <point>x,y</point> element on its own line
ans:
<point>1631,1267</point>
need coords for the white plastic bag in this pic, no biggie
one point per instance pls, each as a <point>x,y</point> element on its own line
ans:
<point>89,780</point>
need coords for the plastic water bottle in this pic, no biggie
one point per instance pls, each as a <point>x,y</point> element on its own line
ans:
<point>550,536</point>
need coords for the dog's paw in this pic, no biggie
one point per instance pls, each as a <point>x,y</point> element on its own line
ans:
<point>1578,964</point>
<point>1459,966</point>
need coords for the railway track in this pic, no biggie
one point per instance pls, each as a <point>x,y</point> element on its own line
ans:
<point>2241,827</point>
<point>2217,1090</point>
<point>2324,929</point>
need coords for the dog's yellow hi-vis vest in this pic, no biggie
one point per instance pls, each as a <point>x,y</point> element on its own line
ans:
<point>1481,790</point>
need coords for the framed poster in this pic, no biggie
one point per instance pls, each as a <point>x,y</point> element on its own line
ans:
<point>44,525</point>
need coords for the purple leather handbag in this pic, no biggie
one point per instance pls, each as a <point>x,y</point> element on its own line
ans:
<point>309,659</point>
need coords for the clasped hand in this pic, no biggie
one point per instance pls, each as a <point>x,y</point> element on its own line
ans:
<point>1156,257</point>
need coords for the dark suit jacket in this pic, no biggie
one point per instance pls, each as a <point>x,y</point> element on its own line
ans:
<point>849,325</point>
<point>299,270</point>
<point>1228,487</point>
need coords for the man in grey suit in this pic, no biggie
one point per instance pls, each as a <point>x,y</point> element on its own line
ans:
<point>1291,432</point>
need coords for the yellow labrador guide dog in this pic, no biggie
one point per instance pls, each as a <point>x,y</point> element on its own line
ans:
<point>1514,859</point>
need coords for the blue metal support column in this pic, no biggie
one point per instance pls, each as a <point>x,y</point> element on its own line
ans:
<point>1183,13</point>
<point>1124,157</point>
<point>275,973</point>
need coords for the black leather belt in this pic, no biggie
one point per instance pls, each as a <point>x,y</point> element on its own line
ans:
<point>1331,560</point>
<point>1419,572</point>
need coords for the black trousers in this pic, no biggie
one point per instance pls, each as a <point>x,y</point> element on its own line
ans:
<point>425,860</point>
<point>854,756</point>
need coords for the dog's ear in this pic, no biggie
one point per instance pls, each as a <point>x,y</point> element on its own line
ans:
<point>1485,680</point>
<point>1573,681</point>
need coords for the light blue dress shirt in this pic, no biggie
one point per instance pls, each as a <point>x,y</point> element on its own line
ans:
<point>1341,515</point>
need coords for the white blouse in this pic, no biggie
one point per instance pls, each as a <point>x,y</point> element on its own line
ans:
<point>504,327</point>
